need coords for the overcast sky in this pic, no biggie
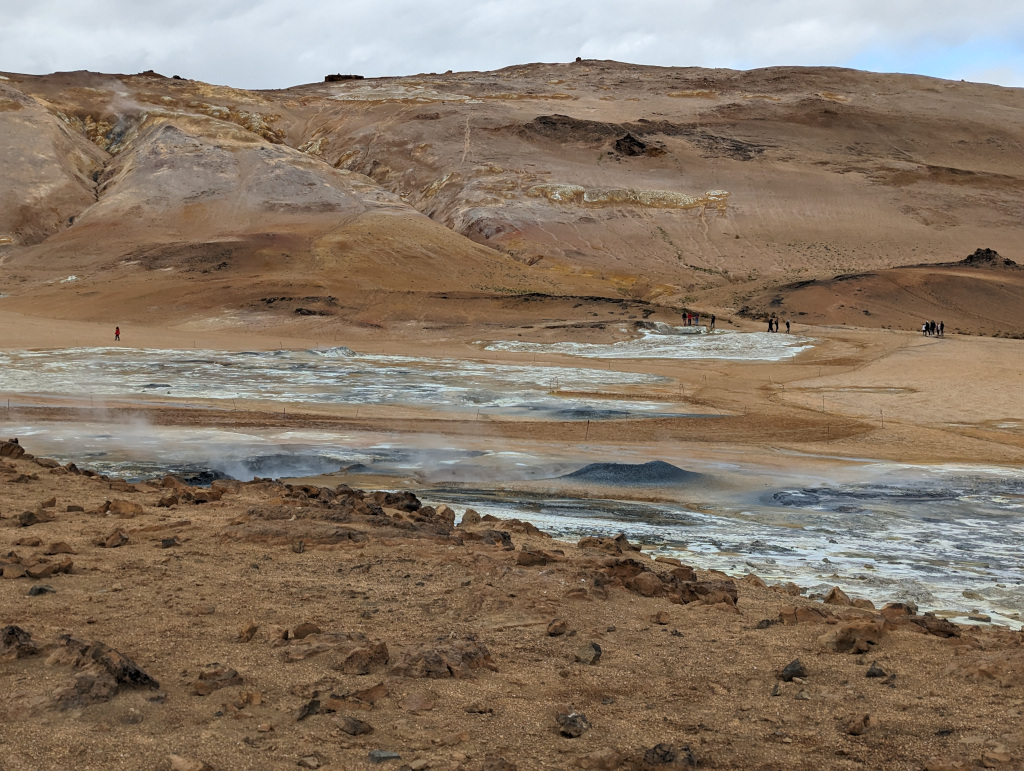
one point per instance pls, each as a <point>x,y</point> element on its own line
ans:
<point>272,43</point>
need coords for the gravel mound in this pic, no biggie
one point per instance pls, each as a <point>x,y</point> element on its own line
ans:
<point>655,473</point>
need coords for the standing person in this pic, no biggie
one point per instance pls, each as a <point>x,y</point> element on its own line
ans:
<point>696,319</point>
<point>924,329</point>
<point>712,322</point>
<point>117,334</point>
<point>787,326</point>
<point>942,329</point>
<point>770,325</point>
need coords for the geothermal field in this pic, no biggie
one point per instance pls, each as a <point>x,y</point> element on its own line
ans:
<point>413,451</point>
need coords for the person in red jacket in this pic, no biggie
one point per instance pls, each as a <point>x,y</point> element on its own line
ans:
<point>117,333</point>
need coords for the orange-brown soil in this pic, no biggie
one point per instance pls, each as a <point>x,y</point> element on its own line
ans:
<point>282,625</point>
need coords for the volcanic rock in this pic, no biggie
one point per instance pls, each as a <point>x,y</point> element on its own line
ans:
<point>458,659</point>
<point>557,627</point>
<point>855,636</point>
<point>876,671</point>
<point>16,643</point>
<point>589,653</point>
<point>860,725</point>
<point>353,726</point>
<point>572,725</point>
<point>793,669</point>
<point>366,660</point>
<point>939,627</point>
<point>214,677</point>
<point>837,597</point>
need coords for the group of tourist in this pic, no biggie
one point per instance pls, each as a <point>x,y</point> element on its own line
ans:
<point>773,324</point>
<point>693,320</point>
<point>931,329</point>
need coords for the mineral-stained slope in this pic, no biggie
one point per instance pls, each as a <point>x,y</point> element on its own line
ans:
<point>676,185</point>
<point>45,170</point>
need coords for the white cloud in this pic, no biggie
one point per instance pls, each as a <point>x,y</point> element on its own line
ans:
<point>272,43</point>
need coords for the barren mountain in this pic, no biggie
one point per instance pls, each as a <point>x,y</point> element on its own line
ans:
<point>680,186</point>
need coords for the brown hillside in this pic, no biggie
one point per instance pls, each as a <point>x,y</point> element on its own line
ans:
<point>674,185</point>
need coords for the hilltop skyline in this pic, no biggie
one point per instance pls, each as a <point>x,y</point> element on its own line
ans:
<point>265,44</point>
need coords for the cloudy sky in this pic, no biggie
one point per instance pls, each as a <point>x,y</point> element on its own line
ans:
<point>273,43</point>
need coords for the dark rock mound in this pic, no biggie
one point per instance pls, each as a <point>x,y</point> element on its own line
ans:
<point>655,473</point>
<point>988,258</point>
<point>630,145</point>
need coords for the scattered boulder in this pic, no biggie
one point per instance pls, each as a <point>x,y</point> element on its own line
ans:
<point>860,725</point>
<point>589,653</point>
<point>446,514</point>
<point>572,725</point>
<point>47,569</point>
<point>16,643</point>
<point>470,518</point>
<point>617,545</point>
<point>855,636</point>
<point>304,630</point>
<point>940,627</point>
<point>14,570</point>
<point>366,659</point>
<point>557,627</point>
<point>458,659</point>
<point>381,756</point>
<point>788,588</point>
<point>876,671</point>
<point>11,449</point>
<point>417,701</point>
<point>29,518</point>
<point>353,726</point>
<point>668,756</point>
<point>793,669</point>
<point>104,673</point>
<point>528,557</point>
<point>114,540</point>
<point>58,547</point>
<point>646,584</point>
<point>838,597</point>
<point>214,677</point>
<point>897,610</point>
<point>310,708</point>
<point>247,632</point>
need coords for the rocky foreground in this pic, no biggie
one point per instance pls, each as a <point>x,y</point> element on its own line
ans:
<point>267,625</point>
